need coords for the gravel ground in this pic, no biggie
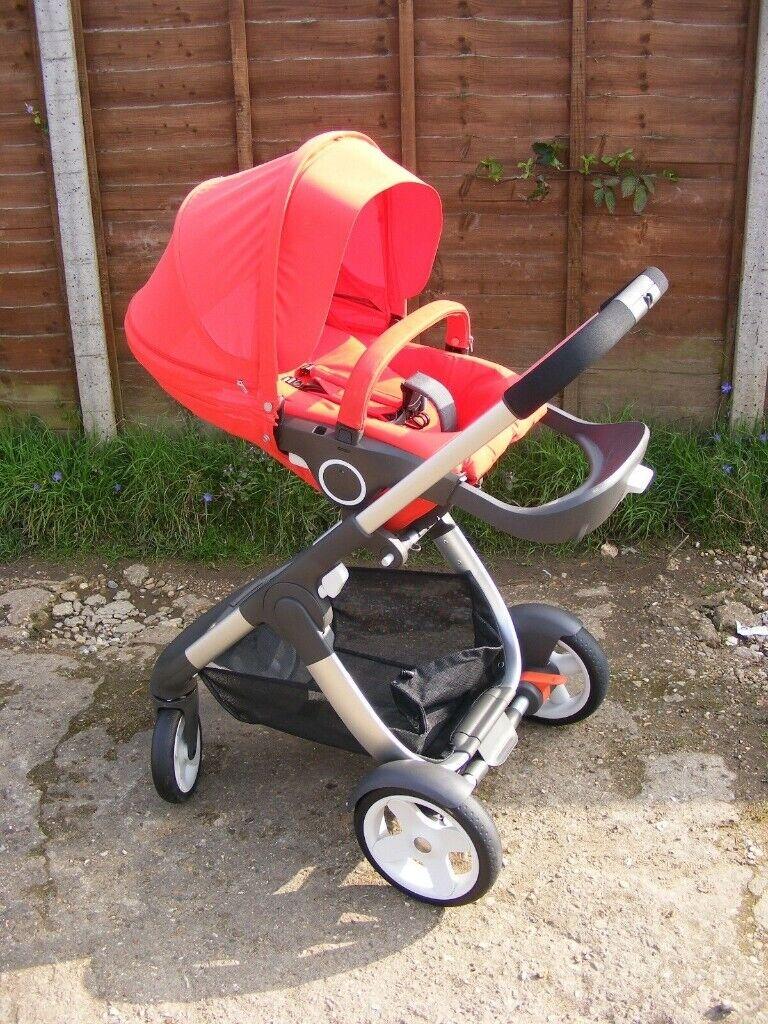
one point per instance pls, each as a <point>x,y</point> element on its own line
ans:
<point>635,885</point>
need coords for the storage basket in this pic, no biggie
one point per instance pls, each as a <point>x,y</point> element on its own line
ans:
<point>420,646</point>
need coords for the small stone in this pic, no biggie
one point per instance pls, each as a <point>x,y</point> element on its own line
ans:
<point>608,550</point>
<point>122,595</point>
<point>62,609</point>
<point>720,1010</point>
<point>25,604</point>
<point>129,627</point>
<point>160,634</point>
<point>69,595</point>
<point>95,599</point>
<point>117,610</point>
<point>113,584</point>
<point>190,606</point>
<point>747,655</point>
<point>705,631</point>
<point>136,574</point>
<point>726,615</point>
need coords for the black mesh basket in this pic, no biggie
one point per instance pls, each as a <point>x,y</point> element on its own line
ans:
<point>420,645</point>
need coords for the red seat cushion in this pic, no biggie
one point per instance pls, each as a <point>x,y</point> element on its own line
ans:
<point>475,385</point>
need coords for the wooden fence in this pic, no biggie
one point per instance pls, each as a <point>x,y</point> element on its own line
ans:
<point>177,92</point>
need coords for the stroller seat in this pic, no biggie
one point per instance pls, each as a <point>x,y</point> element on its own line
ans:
<point>316,390</point>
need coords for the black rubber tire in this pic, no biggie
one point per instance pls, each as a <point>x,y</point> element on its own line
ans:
<point>472,817</point>
<point>591,653</point>
<point>163,770</point>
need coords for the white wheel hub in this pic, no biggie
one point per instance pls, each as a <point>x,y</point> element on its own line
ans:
<point>185,768</point>
<point>421,847</point>
<point>567,698</point>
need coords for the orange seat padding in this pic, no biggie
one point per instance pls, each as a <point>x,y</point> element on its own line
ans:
<point>475,385</point>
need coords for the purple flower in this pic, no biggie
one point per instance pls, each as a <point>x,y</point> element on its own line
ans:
<point>36,487</point>
<point>726,387</point>
<point>29,108</point>
<point>207,498</point>
<point>117,488</point>
<point>728,468</point>
<point>57,477</point>
<point>763,437</point>
<point>717,437</point>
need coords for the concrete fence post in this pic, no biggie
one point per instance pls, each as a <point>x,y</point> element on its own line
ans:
<point>64,115</point>
<point>750,369</point>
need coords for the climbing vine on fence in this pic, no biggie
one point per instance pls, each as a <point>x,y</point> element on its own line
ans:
<point>612,176</point>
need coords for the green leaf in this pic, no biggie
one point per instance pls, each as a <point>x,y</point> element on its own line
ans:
<point>599,195</point>
<point>613,181</point>
<point>641,199</point>
<point>494,169</point>
<point>670,175</point>
<point>545,153</point>
<point>649,182</point>
<point>587,162</point>
<point>610,200</point>
<point>541,191</point>
<point>526,166</point>
<point>628,185</point>
<point>615,160</point>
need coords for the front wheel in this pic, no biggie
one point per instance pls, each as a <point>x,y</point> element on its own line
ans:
<point>582,661</point>
<point>435,855</point>
<point>174,772</point>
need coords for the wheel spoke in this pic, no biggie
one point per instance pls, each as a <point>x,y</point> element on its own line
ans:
<point>393,849</point>
<point>559,694</point>
<point>447,839</point>
<point>410,817</point>
<point>566,664</point>
<point>442,877</point>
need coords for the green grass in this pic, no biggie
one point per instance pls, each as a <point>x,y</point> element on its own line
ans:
<point>142,494</point>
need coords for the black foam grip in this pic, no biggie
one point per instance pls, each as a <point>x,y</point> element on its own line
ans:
<point>571,357</point>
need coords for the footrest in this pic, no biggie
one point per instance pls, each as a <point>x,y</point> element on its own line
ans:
<point>615,452</point>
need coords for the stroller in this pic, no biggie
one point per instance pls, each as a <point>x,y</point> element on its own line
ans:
<point>278,313</point>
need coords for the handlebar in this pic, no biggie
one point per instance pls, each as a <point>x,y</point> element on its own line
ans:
<point>586,345</point>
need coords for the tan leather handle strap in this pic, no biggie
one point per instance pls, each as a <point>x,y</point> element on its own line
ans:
<point>371,364</point>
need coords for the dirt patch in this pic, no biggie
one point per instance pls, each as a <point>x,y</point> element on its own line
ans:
<point>635,883</point>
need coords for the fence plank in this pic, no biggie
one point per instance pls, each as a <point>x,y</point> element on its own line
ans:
<point>242,85</point>
<point>407,84</point>
<point>576,146</point>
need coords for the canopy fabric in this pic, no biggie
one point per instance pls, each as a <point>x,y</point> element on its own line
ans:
<point>258,260</point>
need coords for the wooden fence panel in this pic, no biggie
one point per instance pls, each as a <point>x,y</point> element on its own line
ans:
<point>674,368</point>
<point>36,364</point>
<point>179,93</point>
<point>163,109</point>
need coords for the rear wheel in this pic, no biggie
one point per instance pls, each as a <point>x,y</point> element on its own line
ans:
<point>439,856</point>
<point>175,772</point>
<point>581,659</point>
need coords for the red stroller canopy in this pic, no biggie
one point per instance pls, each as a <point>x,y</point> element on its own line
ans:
<point>244,288</point>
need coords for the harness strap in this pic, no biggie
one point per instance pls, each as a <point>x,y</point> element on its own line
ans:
<point>419,387</point>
